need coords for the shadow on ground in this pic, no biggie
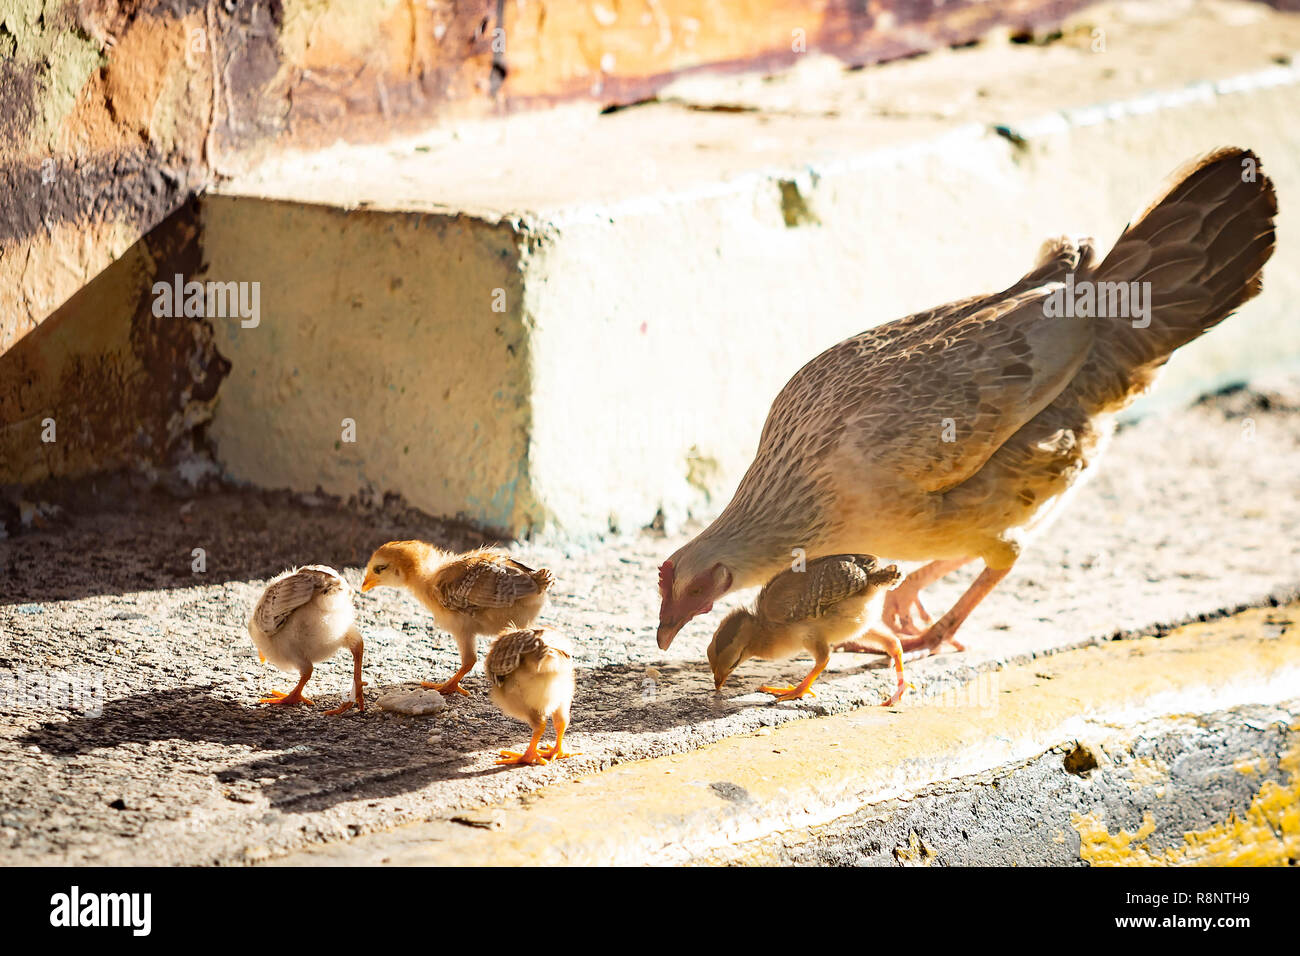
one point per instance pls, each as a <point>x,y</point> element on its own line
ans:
<point>145,539</point>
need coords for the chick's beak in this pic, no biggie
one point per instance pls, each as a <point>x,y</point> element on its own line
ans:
<point>719,680</point>
<point>370,582</point>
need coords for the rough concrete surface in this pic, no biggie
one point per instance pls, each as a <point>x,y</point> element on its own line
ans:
<point>1059,808</point>
<point>1191,514</point>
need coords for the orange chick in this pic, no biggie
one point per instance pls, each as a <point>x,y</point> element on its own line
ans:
<point>481,592</point>
<point>827,603</point>
<point>532,679</point>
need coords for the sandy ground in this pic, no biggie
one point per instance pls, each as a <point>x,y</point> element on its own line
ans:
<point>1192,514</point>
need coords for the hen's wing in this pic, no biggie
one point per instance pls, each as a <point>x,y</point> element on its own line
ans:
<point>825,582</point>
<point>286,594</point>
<point>487,580</point>
<point>930,398</point>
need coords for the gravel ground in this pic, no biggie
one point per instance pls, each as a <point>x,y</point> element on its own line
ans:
<point>1194,513</point>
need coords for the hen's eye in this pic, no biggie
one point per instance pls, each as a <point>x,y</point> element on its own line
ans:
<point>694,592</point>
<point>380,568</point>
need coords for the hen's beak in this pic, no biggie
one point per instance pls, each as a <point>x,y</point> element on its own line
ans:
<point>719,680</point>
<point>667,631</point>
<point>370,582</point>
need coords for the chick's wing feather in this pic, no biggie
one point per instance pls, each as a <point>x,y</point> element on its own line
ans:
<point>511,648</point>
<point>825,582</point>
<point>485,581</point>
<point>286,594</point>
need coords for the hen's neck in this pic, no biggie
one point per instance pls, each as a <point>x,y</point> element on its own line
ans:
<point>756,538</point>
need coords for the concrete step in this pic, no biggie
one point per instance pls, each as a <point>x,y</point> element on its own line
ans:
<point>569,325</point>
<point>563,324</point>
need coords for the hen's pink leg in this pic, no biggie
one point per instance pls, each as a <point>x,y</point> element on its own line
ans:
<point>941,631</point>
<point>897,613</point>
<point>879,642</point>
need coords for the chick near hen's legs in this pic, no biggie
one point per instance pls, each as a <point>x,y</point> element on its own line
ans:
<point>897,611</point>
<point>878,642</point>
<point>468,658</point>
<point>529,756</point>
<point>294,696</point>
<point>358,695</point>
<point>941,631</point>
<point>561,720</point>
<point>801,689</point>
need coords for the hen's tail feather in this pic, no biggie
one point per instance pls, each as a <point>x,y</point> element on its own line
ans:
<point>1201,246</point>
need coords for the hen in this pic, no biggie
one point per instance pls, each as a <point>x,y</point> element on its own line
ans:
<point>482,592</point>
<point>960,432</point>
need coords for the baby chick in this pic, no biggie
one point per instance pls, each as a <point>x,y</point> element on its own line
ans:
<point>481,592</point>
<point>304,617</point>
<point>532,678</point>
<point>824,605</point>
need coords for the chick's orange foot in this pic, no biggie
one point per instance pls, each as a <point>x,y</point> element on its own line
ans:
<point>788,692</point>
<point>281,698</point>
<point>555,753</point>
<point>512,758</point>
<point>447,687</point>
<point>897,695</point>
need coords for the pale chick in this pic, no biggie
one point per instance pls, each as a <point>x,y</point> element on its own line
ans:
<point>959,433</point>
<point>829,602</point>
<point>480,592</point>
<point>532,679</point>
<point>304,617</point>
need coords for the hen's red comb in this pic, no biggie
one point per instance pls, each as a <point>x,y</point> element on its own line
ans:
<point>666,578</point>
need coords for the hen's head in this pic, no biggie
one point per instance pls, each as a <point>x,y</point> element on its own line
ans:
<point>686,591</point>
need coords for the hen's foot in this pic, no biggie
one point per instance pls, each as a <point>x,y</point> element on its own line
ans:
<point>899,604</point>
<point>935,637</point>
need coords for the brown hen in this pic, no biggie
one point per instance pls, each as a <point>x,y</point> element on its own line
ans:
<point>959,433</point>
